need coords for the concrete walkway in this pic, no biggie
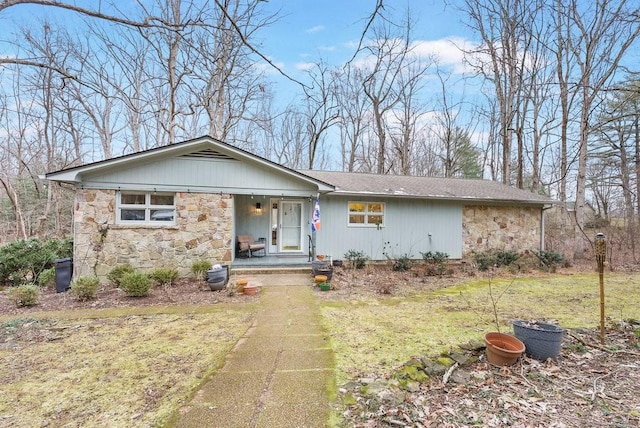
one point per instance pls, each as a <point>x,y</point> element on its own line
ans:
<point>280,373</point>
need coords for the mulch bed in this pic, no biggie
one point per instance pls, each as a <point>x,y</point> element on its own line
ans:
<point>185,291</point>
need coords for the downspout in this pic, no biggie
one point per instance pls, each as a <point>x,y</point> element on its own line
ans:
<point>542,210</point>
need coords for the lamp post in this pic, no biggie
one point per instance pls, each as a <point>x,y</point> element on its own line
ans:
<point>601,254</point>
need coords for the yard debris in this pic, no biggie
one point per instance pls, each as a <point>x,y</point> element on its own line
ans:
<point>586,386</point>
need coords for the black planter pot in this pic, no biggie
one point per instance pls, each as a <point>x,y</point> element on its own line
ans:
<point>542,340</point>
<point>319,267</point>
<point>218,277</point>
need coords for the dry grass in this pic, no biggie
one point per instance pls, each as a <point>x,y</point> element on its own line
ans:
<point>374,335</point>
<point>125,370</point>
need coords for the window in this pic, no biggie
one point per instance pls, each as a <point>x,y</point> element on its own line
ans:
<point>366,214</point>
<point>146,208</point>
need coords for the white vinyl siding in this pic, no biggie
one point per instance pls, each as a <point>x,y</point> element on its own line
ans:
<point>145,208</point>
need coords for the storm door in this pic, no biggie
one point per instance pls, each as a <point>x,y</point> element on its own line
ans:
<point>290,226</point>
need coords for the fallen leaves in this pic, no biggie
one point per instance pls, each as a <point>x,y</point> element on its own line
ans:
<point>584,387</point>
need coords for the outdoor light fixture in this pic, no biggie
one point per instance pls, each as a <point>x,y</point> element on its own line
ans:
<point>258,208</point>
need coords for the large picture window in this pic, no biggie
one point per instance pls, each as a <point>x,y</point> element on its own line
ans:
<point>146,208</point>
<point>366,214</point>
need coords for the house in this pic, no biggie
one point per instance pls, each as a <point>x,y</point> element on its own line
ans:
<point>173,205</point>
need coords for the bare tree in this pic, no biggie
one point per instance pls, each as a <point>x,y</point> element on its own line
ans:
<point>501,60</point>
<point>601,34</point>
<point>389,52</point>
<point>408,118</point>
<point>353,105</point>
<point>322,110</point>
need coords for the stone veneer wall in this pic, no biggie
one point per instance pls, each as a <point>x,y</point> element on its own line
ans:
<point>203,230</point>
<point>487,228</point>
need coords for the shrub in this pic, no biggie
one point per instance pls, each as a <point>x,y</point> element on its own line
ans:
<point>47,278</point>
<point>505,258</point>
<point>21,262</point>
<point>484,260</point>
<point>549,260</point>
<point>164,276</point>
<point>115,275</point>
<point>85,287</point>
<point>199,269</point>
<point>24,295</point>
<point>135,284</point>
<point>403,264</point>
<point>357,259</point>
<point>436,262</point>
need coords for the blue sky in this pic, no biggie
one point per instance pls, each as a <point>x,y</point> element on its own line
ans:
<point>329,29</point>
<point>307,30</point>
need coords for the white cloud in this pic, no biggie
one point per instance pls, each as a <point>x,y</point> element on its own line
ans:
<point>327,48</point>
<point>263,67</point>
<point>447,52</point>
<point>315,29</point>
<point>304,66</point>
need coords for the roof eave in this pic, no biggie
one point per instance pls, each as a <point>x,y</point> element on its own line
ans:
<point>73,175</point>
<point>449,198</point>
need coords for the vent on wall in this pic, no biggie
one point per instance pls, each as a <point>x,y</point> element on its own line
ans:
<point>208,154</point>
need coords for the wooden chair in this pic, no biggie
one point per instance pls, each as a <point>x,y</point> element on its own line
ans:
<point>246,244</point>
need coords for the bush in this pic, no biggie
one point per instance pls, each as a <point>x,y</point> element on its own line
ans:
<point>436,262</point>
<point>357,259</point>
<point>21,262</point>
<point>506,258</point>
<point>495,258</point>
<point>24,295</point>
<point>199,269</point>
<point>549,260</point>
<point>403,264</point>
<point>115,275</point>
<point>47,278</point>
<point>135,284</point>
<point>484,260</point>
<point>164,276</point>
<point>85,287</point>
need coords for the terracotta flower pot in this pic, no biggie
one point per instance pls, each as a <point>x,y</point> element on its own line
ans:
<point>241,283</point>
<point>320,279</point>
<point>250,290</point>
<point>503,349</point>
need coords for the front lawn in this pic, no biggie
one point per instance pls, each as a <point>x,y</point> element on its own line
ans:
<point>379,342</point>
<point>118,368</point>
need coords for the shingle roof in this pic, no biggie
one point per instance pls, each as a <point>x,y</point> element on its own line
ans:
<point>352,183</point>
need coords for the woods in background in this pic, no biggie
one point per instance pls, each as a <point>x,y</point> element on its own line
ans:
<point>544,97</point>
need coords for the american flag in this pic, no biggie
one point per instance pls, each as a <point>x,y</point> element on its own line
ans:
<point>315,222</point>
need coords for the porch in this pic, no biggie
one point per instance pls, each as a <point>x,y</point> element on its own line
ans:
<point>272,264</point>
<point>280,224</point>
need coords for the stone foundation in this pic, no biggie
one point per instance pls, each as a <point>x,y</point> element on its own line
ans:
<point>203,230</point>
<point>486,228</point>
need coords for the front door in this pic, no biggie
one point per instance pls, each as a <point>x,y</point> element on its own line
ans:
<point>287,224</point>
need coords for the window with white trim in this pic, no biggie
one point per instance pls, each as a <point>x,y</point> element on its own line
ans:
<point>366,214</point>
<point>145,208</point>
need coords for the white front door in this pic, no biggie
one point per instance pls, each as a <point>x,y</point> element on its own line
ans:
<point>290,226</point>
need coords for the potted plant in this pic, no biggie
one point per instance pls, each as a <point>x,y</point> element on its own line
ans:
<point>542,340</point>
<point>502,349</point>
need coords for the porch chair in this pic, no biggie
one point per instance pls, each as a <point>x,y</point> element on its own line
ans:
<point>246,244</point>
